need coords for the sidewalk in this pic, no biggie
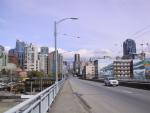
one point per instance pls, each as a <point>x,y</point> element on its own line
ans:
<point>67,102</point>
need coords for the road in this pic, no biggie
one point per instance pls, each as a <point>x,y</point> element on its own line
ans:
<point>97,98</point>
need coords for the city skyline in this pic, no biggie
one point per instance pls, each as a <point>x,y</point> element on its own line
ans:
<point>102,28</point>
<point>74,56</point>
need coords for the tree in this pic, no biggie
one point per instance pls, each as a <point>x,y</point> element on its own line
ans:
<point>52,75</point>
<point>36,74</point>
<point>4,72</point>
<point>1,56</point>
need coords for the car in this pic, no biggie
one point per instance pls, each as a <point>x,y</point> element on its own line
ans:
<point>11,83</point>
<point>111,81</point>
<point>2,85</point>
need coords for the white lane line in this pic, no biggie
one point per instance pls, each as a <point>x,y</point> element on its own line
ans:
<point>126,91</point>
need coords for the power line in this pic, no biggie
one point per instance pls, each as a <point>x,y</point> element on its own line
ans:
<point>142,34</point>
<point>141,30</point>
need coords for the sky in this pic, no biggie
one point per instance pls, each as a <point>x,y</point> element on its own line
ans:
<point>102,25</point>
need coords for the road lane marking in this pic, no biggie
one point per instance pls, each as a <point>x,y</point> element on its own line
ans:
<point>126,91</point>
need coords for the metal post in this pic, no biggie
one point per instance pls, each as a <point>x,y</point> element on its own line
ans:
<point>56,63</point>
<point>55,38</point>
<point>31,88</point>
<point>41,84</point>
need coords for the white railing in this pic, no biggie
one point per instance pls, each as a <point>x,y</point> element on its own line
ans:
<point>39,103</point>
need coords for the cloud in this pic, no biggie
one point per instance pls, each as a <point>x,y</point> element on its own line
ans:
<point>7,48</point>
<point>85,53</point>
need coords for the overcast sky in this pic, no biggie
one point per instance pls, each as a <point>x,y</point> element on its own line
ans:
<point>102,26</point>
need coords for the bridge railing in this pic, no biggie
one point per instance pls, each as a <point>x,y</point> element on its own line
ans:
<point>39,103</point>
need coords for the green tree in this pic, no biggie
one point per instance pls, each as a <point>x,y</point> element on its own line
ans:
<point>1,56</point>
<point>52,75</point>
<point>36,74</point>
<point>4,72</point>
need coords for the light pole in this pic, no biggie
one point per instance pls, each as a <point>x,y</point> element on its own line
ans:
<point>55,36</point>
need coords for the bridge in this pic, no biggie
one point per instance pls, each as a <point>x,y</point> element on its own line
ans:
<point>81,96</point>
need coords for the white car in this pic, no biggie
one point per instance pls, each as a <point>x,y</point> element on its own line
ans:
<point>2,85</point>
<point>111,81</point>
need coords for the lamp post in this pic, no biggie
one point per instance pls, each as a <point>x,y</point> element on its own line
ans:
<point>55,36</point>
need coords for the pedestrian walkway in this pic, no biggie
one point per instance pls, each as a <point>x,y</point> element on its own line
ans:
<point>67,101</point>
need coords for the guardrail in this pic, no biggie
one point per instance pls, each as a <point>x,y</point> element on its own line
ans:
<point>136,80</point>
<point>40,103</point>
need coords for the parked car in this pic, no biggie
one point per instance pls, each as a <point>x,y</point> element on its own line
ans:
<point>2,85</point>
<point>11,83</point>
<point>111,81</point>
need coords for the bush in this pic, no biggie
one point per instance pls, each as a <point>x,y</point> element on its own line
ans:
<point>36,74</point>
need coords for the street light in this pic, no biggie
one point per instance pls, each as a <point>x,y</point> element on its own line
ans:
<point>55,36</point>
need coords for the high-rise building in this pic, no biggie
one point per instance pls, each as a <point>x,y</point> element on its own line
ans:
<point>3,58</point>
<point>12,52</point>
<point>43,59</point>
<point>19,53</point>
<point>31,61</point>
<point>52,64</point>
<point>129,49</point>
<point>65,67</point>
<point>4,62</point>
<point>77,58</point>
<point>12,57</point>
<point>44,50</point>
<point>20,49</point>
<point>2,48</point>
<point>77,64</point>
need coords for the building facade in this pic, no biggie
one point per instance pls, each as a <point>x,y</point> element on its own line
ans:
<point>52,64</point>
<point>43,59</point>
<point>100,65</point>
<point>3,58</point>
<point>31,61</point>
<point>123,69</point>
<point>20,52</point>
<point>44,50</point>
<point>89,71</point>
<point>13,59</point>
<point>77,64</point>
<point>2,48</point>
<point>129,49</point>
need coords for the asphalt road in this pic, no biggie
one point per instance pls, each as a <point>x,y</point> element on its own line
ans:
<point>97,98</point>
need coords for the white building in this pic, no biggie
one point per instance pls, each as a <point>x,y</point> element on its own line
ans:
<point>43,59</point>
<point>4,61</point>
<point>3,58</point>
<point>82,65</point>
<point>31,62</point>
<point>89,71</point>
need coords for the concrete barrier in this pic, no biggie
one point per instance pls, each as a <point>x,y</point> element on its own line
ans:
<point>134,84</point>
<point>10,97</point>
